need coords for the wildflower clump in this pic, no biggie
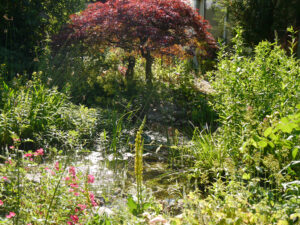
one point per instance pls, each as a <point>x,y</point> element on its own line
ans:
<point>59,187</point>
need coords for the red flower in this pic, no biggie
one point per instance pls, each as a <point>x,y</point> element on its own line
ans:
<point>8,162</point>
<point>82,207</point>
<point>1,202</point>
<point>75,185</point>
<point>74,218</point>
<point>39,152</point>
<point>91,179</point>
<point>72,171</point>
<point>28,155</point>
<point>57,166</point>
<point>92,198</point>
<point>10,215</point>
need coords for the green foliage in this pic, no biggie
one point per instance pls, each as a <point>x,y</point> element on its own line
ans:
<point>262,19</point>
<point>249,88</point>
<point>90,78</point>
<point>274,152</point>
<point>232,203</point>
<point>138,167</point>
<point>25,24</point>
<point>44,115</point>
<point>59,196</point>
<point>254,154</point>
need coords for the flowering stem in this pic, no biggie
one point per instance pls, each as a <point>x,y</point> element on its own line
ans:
<point>55,190</point>
<point>138,168</point>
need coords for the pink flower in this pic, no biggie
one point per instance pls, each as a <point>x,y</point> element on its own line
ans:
<point>76,194</point>
<point>57,166</point>
<point>10,215</point>
<point>67,178</point>
<point>11,147</point>
<point>1,202</point>
<point>82,207</point>
<point>91,179</point>
<point>50,171</point>
<point>28,155</point>
<point>39,152</point>
<point>71,190</point>
<point>92,198</point>
<point>74,185</point>
<point>16,139</point>
<point>72,171</point>
<point>69,223</point>
<point>8,162</point>
<point>4,178</point>
<point>94,203</point>
<point>74,218</point>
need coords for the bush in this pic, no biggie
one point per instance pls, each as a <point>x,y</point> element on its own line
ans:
<point>249,88</point>
<point>43,115</point>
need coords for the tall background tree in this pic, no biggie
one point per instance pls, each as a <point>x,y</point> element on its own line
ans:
<point>263,19</point>
<point>147,28</point>
<point>25,24</point>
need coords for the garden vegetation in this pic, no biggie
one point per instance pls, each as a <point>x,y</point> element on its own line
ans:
<point>226,149</point>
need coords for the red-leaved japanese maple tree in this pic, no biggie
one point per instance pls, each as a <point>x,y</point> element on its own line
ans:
<point>145,26</point>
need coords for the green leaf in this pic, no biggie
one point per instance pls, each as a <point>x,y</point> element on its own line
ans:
<point>294,153</point>
<point>295,216</point>
<point>283,222</point>
<point>132,205</point>
<point>263,143</point>
<point>271,144</point>
<point>246,176</point>
<point>146,205</point>
<point>268,131</point>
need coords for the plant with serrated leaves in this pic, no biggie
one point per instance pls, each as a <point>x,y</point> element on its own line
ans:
<point>146,28</point>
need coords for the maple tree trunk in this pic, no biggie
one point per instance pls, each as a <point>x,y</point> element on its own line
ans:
<point>130,69</point>
<point>149,61</point>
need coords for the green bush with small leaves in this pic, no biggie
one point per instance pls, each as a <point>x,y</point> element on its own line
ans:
<point>43,116</point>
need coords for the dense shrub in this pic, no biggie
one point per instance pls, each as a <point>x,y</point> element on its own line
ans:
<point>43,115</point>
<point>250,88</point>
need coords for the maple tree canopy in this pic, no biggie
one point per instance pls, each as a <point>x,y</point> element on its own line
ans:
<point>131,24</point>
<point>145,26</point>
